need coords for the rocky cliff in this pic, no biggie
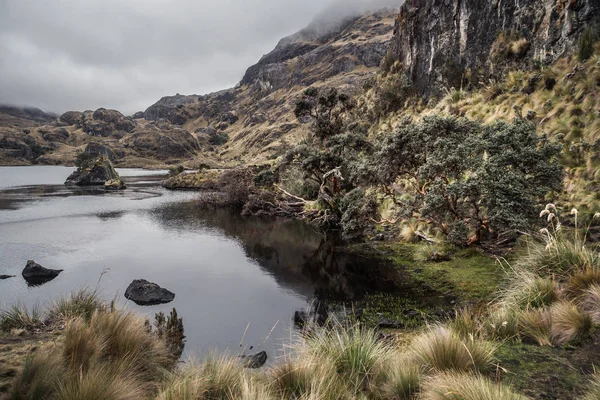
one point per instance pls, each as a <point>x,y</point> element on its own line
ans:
<point>453,43</point>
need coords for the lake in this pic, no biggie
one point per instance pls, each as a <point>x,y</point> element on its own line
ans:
<point>230,274</point>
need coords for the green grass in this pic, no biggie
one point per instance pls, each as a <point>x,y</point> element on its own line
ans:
<point>19,317</point>
<point>470,274</point>
<point>82,303</point>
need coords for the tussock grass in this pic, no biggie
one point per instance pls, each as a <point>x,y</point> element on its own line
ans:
<point>526,290</point>
<point>591,303</point>
<point>38,378</point>
<point>536,325</point>
<point>82,303</point>
<point>501,324</point>
<point>457,386</point>
<point>103,383</point>
<point>564,257</point>
<point>593,390</point>
<point>19,317</point>
<point>402,380</point>
<point>581,281</point>
<point>355,352</point>
<point>441,349</point>
<point>569,323</point>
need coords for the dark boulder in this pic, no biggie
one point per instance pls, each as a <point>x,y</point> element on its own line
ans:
<point>145,293</point>
<point>71,117</point>
<point>254,361</point>
<point>2,277</point>
<point>95,174</point>
<point>35,274</point>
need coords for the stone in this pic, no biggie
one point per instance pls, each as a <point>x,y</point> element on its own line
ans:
<point>145,293</point>
<point>96,173</point>
<point>385,323</point>
<point>2,277</point>
<point>254,361</point>
<point>35,274</point>
<point>114,184</point>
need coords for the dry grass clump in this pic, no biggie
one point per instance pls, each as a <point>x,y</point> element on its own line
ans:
<point>110,357</point>
<point>593,390</point>
<point>460,386</point>
<point>591,303</point>
<point>569,323</point>
<point>562,257</point>
<point>581,281</point>
<point>526,290</point>
<point>82,303</point>
<point>441,349</point>
<point>501,324</point>
<point>356,353</point>
<point>19,317</point>
<point>402,380</point>
<point>536,325</point>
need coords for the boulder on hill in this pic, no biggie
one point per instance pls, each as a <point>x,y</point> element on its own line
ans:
<point>35,274</point>
<point>145,293</point>
<point>94,173</point>
<point>71,117</point>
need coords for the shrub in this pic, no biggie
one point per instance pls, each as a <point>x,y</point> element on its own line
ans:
<point>463,177</point>
<point>454,386</point>
<point>170,330</point>
<point>442,349</point>
<point>586,45</point>
<point>569,323</point>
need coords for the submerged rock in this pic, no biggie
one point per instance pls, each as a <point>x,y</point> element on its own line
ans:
<point>254,361</point>
<point>2,277</point>
<point>115,184</point>
<point>95,173</point>
<point>35,274</point>
<point>145,293</point>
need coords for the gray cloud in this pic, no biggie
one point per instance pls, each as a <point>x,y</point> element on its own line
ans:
<point>125,54</point>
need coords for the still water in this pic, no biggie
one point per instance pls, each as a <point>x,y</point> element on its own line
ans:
<point>230,274</point>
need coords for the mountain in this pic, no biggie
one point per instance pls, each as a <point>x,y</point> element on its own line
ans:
<point>252,122</point>
<point>256,117</point>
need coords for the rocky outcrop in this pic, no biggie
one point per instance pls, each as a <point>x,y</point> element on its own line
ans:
<point>255,360</point>
<point>452,43</point>
<point>96,173</point>
<point>115,184</point>
<point>176,143</point>
<point>167,108</point>
<point>20,117</point>
<point>145,293</point>
<point>104,123</point>
<point>35,274</point>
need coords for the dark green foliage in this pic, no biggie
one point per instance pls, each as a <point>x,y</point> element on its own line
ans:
<point>84,160</point>
<point>357,211</point>
<point>218,139</point>
<point>174,171</point>
<point>465,177</point>
<point>586,45</point>
<point>170,329</point>
<point>265,178</point>
<point>327,111</point>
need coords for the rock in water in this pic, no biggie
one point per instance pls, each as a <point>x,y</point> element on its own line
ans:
<point>97,172</point>
<point>115,184</point>
<point>2,277</point>
<point>255,361</point>
<point>145,293</point>
<point>35,274</point>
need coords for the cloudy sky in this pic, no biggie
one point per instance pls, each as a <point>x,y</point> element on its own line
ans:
<point>62,55</point>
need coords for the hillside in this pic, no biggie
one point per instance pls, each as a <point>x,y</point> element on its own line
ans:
<point>250,123</point>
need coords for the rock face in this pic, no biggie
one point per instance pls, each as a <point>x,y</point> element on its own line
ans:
<point>145,293</point>
<point>35,274</point>
<point>96,173</point>
<point>449,43</point>
<point>255,361</point>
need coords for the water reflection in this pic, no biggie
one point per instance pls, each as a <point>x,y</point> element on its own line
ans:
<point>298,257</point>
